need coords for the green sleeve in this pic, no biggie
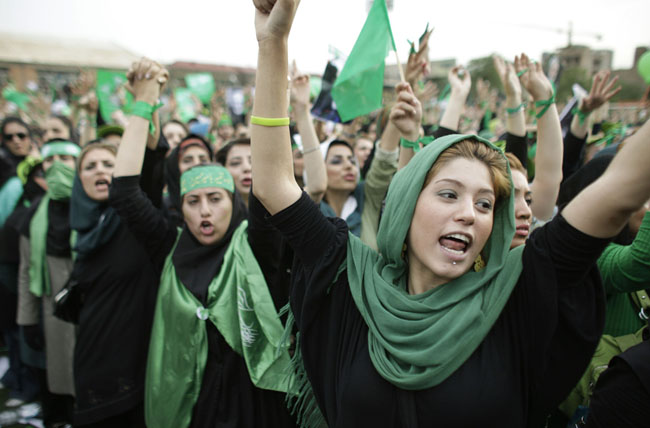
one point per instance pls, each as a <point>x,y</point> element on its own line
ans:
<point>381,172</point>
<point>626,268</point>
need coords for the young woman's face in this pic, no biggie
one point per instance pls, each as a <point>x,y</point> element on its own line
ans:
<point>452,221</point>
<point>174,134</point>
<point>238,163</point>
<point>362,149</point>
<point>523,214</point>
<point>342,169</point>
<point>207,213</point>
<point>64,159</point>
<point>193,155</point>
<point>16,139</point>
<point>96,173</point>
<point>54,128</point>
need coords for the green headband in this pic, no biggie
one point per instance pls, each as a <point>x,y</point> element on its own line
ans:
<point>200,177</point>
<point>60,148</point>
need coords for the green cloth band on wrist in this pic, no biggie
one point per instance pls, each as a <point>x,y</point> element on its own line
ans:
<point>582,116</point>
<point>415,145</point>
<point>270,121</point>
<point>517,109</point>
<point>521,73</point>
<point>61,148</point>
<point>145,111</point>
<point>202,176</point>
<point>546,104</point>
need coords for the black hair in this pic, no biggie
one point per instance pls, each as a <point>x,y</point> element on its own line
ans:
<point>222,154</point>
<point>14,119</point>
<point>68,124</point>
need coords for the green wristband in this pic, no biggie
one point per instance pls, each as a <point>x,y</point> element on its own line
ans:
<point>415,145</point>
<point>545,104</point>
<point>517,109</point>
<point>582,116</point>
<point>145,111</point>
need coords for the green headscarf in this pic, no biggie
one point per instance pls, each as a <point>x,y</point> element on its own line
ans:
<point>417,341</point>
<point>240,306</point>
<point>59,178</point>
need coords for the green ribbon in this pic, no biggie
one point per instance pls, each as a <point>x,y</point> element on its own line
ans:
<point>582,116</point>
<point>203,176</point>
<point>544,103</point>
<point>522,72</point>
<point>59,178</point>
<point>415,145</point>
<point>517,109</point>
<point>145,111</point>
<point>240,306</point>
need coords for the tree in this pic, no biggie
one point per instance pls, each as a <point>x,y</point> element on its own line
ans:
<point>568,77</point>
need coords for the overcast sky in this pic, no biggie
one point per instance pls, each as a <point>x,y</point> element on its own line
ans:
<point>222,32</point>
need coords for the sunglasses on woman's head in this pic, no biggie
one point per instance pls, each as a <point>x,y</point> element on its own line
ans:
<point>20,135</point>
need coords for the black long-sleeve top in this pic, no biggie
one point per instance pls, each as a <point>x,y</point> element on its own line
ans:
<point>227,397</point>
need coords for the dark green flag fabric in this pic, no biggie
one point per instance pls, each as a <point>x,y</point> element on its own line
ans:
<point>359,87</point>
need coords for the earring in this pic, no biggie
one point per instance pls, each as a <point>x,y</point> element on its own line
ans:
<point>479,263</point>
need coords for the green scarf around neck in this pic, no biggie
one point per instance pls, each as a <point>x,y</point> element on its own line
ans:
<point>418,341</point>
<point>239,304</point>
<point>59,178</point>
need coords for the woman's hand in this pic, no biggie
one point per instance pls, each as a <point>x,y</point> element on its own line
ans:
<point>146,80</point>
<point>460,80</point>
<point>533,78</point>
<point>508,77</point>
<point>273,18</point>
<point>601,92</point>
<point>406,115</point>
<point>300,89</point>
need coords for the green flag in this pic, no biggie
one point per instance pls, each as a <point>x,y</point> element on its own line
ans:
<point>358,89</point>
<point>185,106</point>
<point>109,85</point>
<point>201,85</point>
<point>19,98</point>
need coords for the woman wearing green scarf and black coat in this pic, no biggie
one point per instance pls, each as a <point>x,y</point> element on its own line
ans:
<point>214,357</point>
<point>45,266</point>
<point>420,334</point>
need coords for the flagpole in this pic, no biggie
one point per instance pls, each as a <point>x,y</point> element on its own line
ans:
<point>399,67</point>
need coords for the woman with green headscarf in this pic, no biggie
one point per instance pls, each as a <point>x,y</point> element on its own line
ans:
<point>45,266</point>
<point>445,325</point>
<point>215,357</point>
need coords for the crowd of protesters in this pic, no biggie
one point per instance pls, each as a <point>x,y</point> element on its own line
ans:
<point>446,261</point>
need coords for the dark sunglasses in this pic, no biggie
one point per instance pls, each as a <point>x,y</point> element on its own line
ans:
<point>20,135</point>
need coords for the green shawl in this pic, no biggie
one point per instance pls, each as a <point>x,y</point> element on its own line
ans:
<point>59,179</point>
<point>179,348</point>
<point>417,341</point>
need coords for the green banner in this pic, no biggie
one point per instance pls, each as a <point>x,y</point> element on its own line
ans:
<point>111,94</point>
<point>184,103</point>
<point>202,85</point>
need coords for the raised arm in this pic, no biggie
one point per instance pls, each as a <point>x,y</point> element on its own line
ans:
<point>275,185</point>
<point>313,158</point>
<point>603,208</point>
<point>146,79</point>
<point>602,90</point>
<point>461,83</point>
<point>548,160</point>
<point>515,111</point>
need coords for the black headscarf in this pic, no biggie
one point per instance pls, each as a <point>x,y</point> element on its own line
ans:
<point>173,179</point>
<point>582,178</point>
<point>95,222</point>
<point>196,265</point>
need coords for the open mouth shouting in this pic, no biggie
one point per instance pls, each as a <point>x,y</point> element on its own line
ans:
<point>101,185</point>
<point>206,228</point>
<point>455,245</point>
